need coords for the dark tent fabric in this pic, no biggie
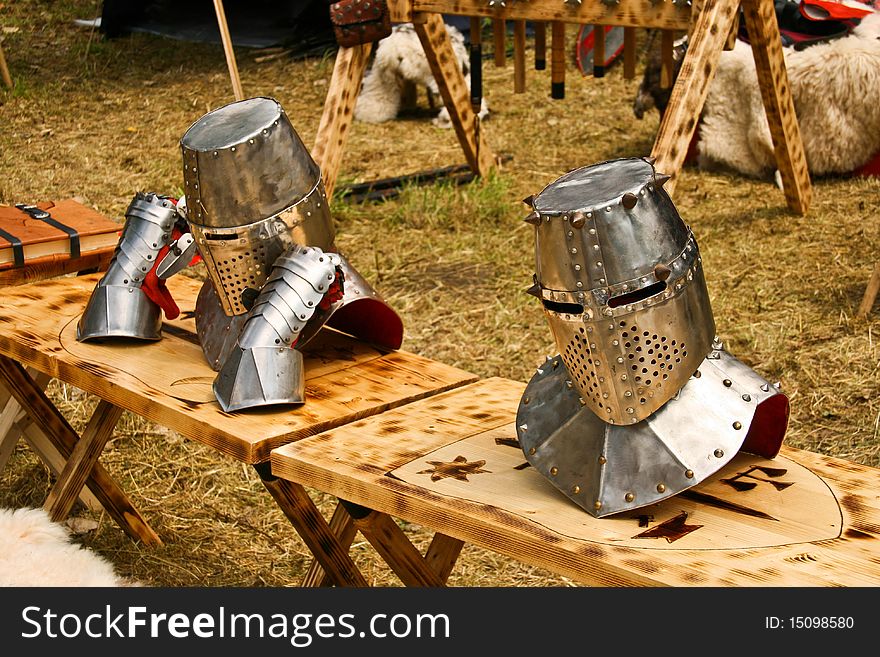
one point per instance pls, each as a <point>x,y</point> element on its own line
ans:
<point>300,25</point>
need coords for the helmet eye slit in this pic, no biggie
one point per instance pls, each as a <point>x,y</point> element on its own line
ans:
<point>637,295</point>
<point>563,308</point>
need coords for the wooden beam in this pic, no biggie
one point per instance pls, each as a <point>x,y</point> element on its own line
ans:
<point>442,555</point>
<point>691,87</point>
<point>455,93</point>
<point>639,13</point>
<point>342,525</point>
<point>295,503</point>
<point>345,85</point>
<point>397,550</point>
<point>227,50</point>
<point>763,30</point>
<point>81,461</point>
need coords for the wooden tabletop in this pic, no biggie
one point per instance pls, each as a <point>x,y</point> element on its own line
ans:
<point>452,463</point>
<point>169,381</point>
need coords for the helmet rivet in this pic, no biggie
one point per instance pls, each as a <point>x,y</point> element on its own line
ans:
<point>602,460</point>
<point>554,471</point>
<point>592,231</point>
<point>620,359</point>
<point>689,474</point>
<point>598,264</point>
<point>630,410</point>
<point>575,489</point>
<point>597,505</point>
<point>532,451</point>
<point>574,251</point>
<point>615,342</point>
<point>727,383</point>
<point>578,219</point>
<point>719,453</point>
<point>737,425</point>
<point>697,374</point>
<point>765,387</point>
<point>661,488</point>
<point>747,398</point>
<point>629,497</point>
<point>628,393</point>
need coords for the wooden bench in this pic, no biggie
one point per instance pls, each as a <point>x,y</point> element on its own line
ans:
<point>169,382</point>
<point>452,465</point>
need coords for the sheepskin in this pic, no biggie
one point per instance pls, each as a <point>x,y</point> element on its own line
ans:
<point>399,70</point>
<point>34,551</point>
<point>836,91</point>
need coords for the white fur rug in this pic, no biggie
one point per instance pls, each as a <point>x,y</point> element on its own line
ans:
<point>34,551</point>
<point>836,91</point>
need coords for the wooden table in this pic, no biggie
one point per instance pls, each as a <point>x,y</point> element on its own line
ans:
<point>169,382</point>
<point>451,463</point>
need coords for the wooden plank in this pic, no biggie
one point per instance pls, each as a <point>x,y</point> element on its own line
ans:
<point>519,57</point>
<point>499,41</point>
<point>692,86</point>
<point>557,60</point>
<point>52,458</point>
<point>734,34</point>
<point>442,555</point>
<point>302,513</point>
<point>343,527</point>
<point>169,381</point>
<point>639,13</point>
<point>629,53</point>
<point>81,461</point>
<point>64,438</point>
<point>397,550</point>
<point>342,93</point>
<point>763,30</point>
<point>871,291</point>
<point>454,91</point>
<point>822,531</point>
<point>540,28</point>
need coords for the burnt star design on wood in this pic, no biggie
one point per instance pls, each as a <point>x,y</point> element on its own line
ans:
<point>459,469</point>
<point>672,529</point>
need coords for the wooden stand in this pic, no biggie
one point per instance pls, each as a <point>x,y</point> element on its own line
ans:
<point>870,292</point>
<point>709,23</point>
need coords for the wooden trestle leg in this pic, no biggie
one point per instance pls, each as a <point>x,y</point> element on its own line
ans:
<point>302,513</point>
<point>49,420</point>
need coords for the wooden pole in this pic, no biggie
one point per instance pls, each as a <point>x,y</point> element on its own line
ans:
<point>598,51</point>
<point>667,61</point>
<point>227,49</point>
<point>540,45</point>
<point>519,56</point>
<point>629,53</point>
<point>499,33</point>
<point>4,70</point>
<point>557,60</point>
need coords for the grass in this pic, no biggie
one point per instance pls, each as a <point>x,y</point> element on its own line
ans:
<point>100,119</point>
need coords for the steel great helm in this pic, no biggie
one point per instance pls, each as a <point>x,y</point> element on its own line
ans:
<point>252,191</point>
<point>620,278</point>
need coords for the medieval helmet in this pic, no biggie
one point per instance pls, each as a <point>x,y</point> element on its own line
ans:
<point>252,191</point>
<point>621,281</point>
<point>642,401</point>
